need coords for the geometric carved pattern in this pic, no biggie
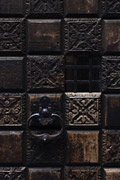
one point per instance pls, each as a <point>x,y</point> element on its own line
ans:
<point>45,72</point>
<point>111,73</point>
<point>111,173</point>
<point>82,35</point>
<point>14,173</point>
<point>82,173</point>
<point>111,147</point>
<point>12,35</point>
<point>82,109</point>
<point>46,6</point>
<point>111,7</point>
<point>12,109</point>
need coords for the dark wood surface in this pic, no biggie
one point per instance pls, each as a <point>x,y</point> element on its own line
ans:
<point>60,57</point>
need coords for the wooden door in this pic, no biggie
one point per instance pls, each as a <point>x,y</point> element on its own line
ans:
<point>59,90</point>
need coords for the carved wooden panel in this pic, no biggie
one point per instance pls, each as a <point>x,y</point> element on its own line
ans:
<point>111,36</point>
<point>82,35</point>
<point>110,8</point>
<point>11,150</point>
<point>62,57</point>
<point>111,147</point>
<point>11,73</point>
<point>12,109</point>
<point>12,173</point>
<point>12,7</point>
<point>111,73</point>
<point>81,7</point>
<point>12,35</point>
<point>45,72</point>
<point>82,173</point>
<point>44,35</point>
<point>112,173</point>
<point>46,7</point>
<point>44,173</point>
<point>111,110</point>
<point>82,109</point>
<point>82,147</point>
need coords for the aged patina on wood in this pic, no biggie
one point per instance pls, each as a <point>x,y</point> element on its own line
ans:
<point>59,67</point>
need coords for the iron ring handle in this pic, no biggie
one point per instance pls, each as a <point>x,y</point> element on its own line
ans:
<point>45,136</point>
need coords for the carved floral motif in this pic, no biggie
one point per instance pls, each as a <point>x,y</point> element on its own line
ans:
<point>110,7</point>
<point>12,35</point>
<point>111,73</point>
<point>111,147</point>
<point>12,173</point>
<point>46,6</point>
<point>82,35</point>
<point>82,109</point>
<point>12,110</point>
<point>45,72</point>
<point>81,173</point>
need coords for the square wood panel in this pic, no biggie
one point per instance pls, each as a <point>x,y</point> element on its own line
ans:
<point>12,110</point>
<point>12,7</point>
<point>44,173</point>
<point>81,7</point>
<point>11,150</point>
<point>111,36</point>
<point>82,173</point>
<point>111,110</point>
<point>82,147</point>
<point>44,35</point>
<point>11,73</point>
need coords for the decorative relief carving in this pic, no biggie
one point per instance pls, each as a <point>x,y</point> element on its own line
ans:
<point>46,6</point>
<point>12,35</point>
<point>82,109</point>
<point>110,7</point>
<point>82,35</point>
<point>45,72</point>
<point>12,110</point>
<point>111,173</point>
<point>82,173</point>
<point>110,73</point>
<point>16,173</point>
<point>111,147</point>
